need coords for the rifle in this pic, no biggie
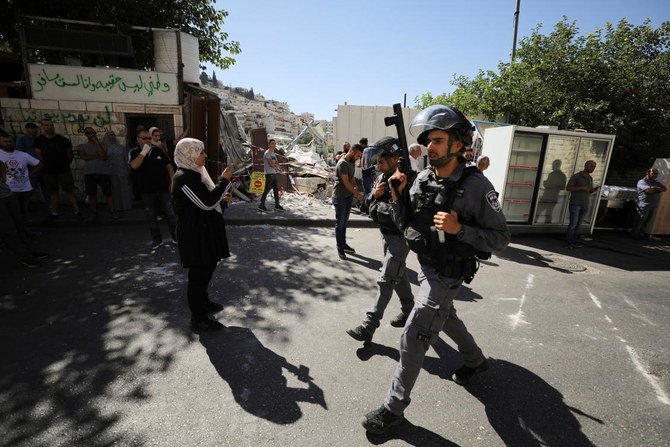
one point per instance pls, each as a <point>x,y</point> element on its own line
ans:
<point>403,163</point>
<point>399,123</point>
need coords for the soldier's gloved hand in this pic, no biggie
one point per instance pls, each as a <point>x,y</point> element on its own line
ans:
<point>145,150</point>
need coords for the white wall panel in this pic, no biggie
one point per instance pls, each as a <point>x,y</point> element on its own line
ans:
<point>354,122</point>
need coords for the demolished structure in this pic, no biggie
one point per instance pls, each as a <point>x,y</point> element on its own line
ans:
<point>304,164</point>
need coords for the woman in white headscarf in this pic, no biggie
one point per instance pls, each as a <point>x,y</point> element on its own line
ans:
<point>117,159</point>
<point>156,134</point>
<point>201,232</point>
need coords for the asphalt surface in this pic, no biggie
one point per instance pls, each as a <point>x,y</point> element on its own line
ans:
<point>96,346</point>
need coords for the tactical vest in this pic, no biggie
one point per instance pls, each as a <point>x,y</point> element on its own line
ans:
<point>380,212</point>
<point>453,258</point>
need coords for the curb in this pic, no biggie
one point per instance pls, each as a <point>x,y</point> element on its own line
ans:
<point>289,222</point>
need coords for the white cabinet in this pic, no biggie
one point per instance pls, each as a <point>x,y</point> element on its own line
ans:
<point>530,168</point>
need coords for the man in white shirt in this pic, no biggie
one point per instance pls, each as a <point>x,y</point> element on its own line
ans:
<point>270,166</point>
<point>19,167</point>
<point>418,157</point>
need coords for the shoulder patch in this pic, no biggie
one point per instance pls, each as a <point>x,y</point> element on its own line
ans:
<point>492,199</point>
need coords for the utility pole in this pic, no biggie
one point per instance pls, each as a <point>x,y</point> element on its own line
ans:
<point>508,116</point>
<point>516,27</point>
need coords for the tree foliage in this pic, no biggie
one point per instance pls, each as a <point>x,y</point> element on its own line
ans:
<point>197,17</point>
<point>614,80</point>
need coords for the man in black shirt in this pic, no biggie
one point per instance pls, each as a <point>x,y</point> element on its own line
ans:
<point>55,152</point>
<point>154,173</point>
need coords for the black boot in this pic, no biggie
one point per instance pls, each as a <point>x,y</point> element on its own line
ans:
<point>205,325</point>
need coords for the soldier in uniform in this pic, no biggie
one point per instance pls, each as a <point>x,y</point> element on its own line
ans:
<point>454,217</point>
<point>385,155</point>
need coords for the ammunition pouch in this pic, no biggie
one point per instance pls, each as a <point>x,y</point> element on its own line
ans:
<point>381,214</point>
<point>457,267</point>
<point>416,239</point>
<point>451,258</point>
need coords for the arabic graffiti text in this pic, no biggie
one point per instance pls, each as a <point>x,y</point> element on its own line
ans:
<point>74,122</point>
<point>142,84</point>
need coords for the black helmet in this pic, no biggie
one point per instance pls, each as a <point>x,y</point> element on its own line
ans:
<point>385,147</point>
<point>444,118</point>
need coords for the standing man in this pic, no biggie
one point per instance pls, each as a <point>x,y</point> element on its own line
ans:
<point>96,172</point>
<point>270,166</point>
<point>26,143</point>
<point>393,273</point>
<point>648,195</point>
<point>367,171</point>
<point>12,226</point>
<point>345,148</point>
<point>454,214</point>
<point>469,155</point>
<point>417,158</point>
<point>55,151</point>
<point>580,187</point>
<point>343,196</point>
<point>483,163</point>
<point>154,173</point>
<point>20,166</point>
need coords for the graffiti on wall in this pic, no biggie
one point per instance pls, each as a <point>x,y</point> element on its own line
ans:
<point>141,84</point>
<point>61,82</point>
<point>74,122</point>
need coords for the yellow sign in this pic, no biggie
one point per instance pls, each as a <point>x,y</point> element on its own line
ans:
<point>257,183</point>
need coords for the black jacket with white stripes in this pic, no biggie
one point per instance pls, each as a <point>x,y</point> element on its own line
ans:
<point>201,232</point>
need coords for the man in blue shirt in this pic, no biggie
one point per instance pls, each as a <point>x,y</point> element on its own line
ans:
<point>26,142</point>
<point>648,196</point>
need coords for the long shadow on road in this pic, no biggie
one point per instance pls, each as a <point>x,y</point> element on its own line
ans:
<point>607,248</point>
<point>83,337</point>
<point>254,374</point>
<point>521,406</point>
<point>525,410</point>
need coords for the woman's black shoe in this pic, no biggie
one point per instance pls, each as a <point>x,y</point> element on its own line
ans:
<point>213,307</point>
<point>205,325</point>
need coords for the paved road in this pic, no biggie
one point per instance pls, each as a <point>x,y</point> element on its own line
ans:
<point>96,349</point>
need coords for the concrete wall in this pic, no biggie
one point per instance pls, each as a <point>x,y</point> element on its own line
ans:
<point>354,122</point>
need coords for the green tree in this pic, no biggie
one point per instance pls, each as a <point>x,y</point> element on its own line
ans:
<point>613,80</point>
<point>197,17</point>
<point>215,82</point>
<point>204,79</point>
